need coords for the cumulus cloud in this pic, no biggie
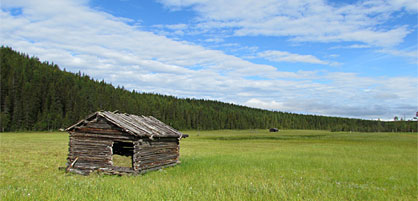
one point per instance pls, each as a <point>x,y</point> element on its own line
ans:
<point>80,38</point>
<point>304,20</point>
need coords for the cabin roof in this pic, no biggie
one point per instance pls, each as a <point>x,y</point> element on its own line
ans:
<point>141,126</point>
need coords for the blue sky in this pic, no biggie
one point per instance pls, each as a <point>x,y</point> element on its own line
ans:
<point>339,58</point>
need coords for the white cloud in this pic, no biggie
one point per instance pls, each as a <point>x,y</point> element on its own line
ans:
<point>304,20</point>
<point>412,55</point>
<point>170,29</point>
<point>272,105</point>
<point>358,46</point>
<point>77,37</point>
<point>280,56</point>
<point>214,40</point>
<point>409,5</point>
<point>354,46</point>
<point>348,95</point>
<point>176,26</point>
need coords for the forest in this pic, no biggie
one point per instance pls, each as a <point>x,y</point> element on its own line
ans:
<point>40,96</point>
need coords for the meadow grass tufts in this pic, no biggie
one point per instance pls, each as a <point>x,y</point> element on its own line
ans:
<point>226,165</point>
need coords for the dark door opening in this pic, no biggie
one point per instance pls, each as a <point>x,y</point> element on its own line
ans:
<point>123,152</point>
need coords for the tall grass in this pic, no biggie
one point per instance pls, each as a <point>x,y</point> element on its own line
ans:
<point>226,165</point>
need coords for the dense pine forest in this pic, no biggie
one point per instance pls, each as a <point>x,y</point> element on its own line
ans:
<point>39,96</point>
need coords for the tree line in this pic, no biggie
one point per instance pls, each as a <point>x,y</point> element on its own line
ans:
<point>39,95</point>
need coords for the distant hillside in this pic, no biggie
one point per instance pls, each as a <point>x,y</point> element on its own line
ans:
<point>39,96</point>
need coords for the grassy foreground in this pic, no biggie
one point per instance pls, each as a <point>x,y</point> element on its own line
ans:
<point>226,165</point>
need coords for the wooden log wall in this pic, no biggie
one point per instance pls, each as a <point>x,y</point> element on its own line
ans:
<point>155,154</point>
<point>92,144</point>
<point>92,152</point>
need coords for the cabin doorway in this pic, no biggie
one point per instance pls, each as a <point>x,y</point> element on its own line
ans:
<point>122,155</point>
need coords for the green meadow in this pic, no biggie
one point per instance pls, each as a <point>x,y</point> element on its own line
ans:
<point>226,165</point>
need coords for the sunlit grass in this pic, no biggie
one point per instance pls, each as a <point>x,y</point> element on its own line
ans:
<point>122,161</point>
<point>226,165</point>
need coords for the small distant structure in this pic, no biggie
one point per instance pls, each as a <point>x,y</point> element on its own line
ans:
<point>150,144</point>
<point>274,130</point>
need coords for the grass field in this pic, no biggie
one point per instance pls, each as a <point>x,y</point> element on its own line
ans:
<point>226,165</point>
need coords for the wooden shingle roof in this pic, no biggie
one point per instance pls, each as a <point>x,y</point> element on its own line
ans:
<point>141,126</point>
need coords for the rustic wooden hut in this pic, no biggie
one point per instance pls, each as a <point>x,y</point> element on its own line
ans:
<point>94,141</point>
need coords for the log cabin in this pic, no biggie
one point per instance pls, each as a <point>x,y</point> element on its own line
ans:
<point>96,140</point>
